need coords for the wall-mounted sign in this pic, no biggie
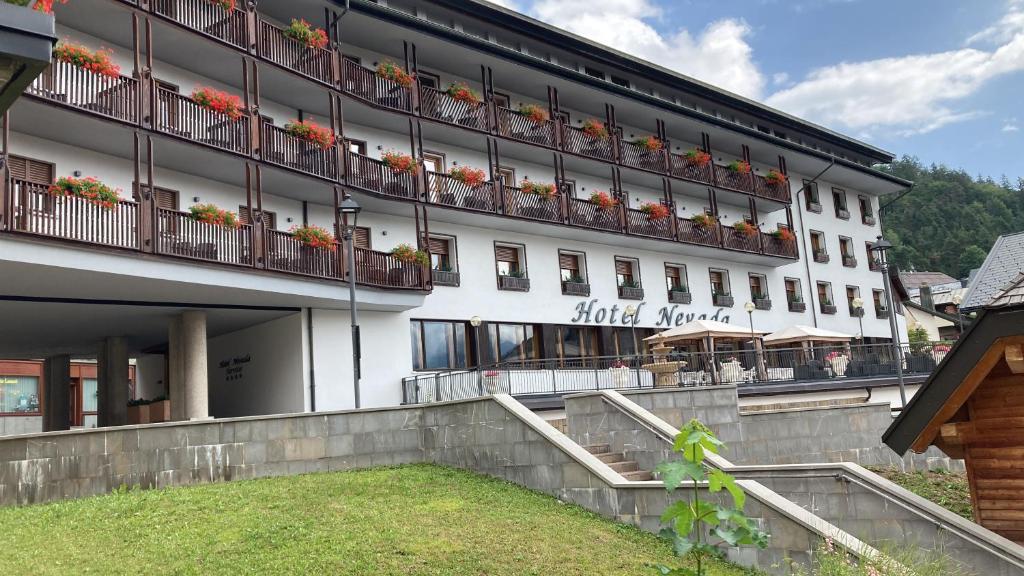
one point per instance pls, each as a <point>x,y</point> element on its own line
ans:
<point>591,312</point>
<point>233,366</point>
<point>8,381</point>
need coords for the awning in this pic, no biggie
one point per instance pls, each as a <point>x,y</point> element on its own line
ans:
<point>698,329</point>
<point>801,333</point>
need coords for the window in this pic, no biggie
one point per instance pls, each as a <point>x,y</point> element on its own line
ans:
<point>867,214</point>
<point>627,341</point>
<point>719,282</point>
<point>269,218</point>
<point>442,253</point>
<point>433,161</point>
<point>19,395</point>
<point>818,246</point>
<point>825,293</point>
<point>839,201</point>
<point>571,266</point>
<point>90,395</point>
<point>428,79</point>
<point>513,342</point>
<point>878,296</point>
<point>846,249</point>
<point>353,59</point>
<point>620,81</point>
<point>37,176</point>
<point>509,260</point>
<point>507,175</point>
<point>811,196</point>
<point>872,261</point>
<point>438,345</point>
<point>577,341</point>
<point>793,293</point>
<point>675,278</point>
<point>357,146</point>
<point>852,292</point>
<point>758,287</point>
<point>627,272</point>
<point>502,100</point>
<point>593,72</point>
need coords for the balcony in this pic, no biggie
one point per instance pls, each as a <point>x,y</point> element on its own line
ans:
<point>532,206</point>
<point>631,292</point>
<point>744,241</point>
<point>207,18</point>
<point>517,126</point>
<point>576,140</point>
<point>797,306</point>
<point>637,156</point>
<point>640,224</point>
<point>382,270</point>
<point>693,233</point>
<point>274,46</point>
<point>679,297</point>
<point>375,176</point>
<point>70,85</point>
<point>733,180</point>
<point>513,283</point>
<point>438,105</point>
<point>178,234</point>
<point>723,300</point>
<point>38,212</point>
<point>182,117</point>
<point>828,308</point>
<point>850,261</point>
<point>777,246</point>
<point>281,148</point>
<point>772,190</point>
<point>575,288</point>
<point>445,277</point>
<point>682,168</point>
<point>286,254</point>
<point>372,88</point>
<point>585,213</point>
<point>448,191</point>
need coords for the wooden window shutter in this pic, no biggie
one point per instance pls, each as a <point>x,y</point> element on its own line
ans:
<point>568,261</point>
<point>506,254</point>
<point>167,199</point>
<point>438,246</point>
<point>362,237</point>
<point>624,267</point>
<point>31,170</point>
<point>672,272</point>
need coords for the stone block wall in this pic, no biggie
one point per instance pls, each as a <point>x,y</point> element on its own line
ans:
<point>715,406</point>
<point>590,420</point>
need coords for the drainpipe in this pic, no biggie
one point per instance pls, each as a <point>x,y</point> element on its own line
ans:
<point>803,236</point>
<point>312,370</point>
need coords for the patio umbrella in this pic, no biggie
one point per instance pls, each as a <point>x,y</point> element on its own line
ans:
<point>704,332</point>
<point>801,333</point>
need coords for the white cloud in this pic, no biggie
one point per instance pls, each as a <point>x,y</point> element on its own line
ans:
<point>1010,128</point>
<point>909,94</point>
<point>1003,31</point>
<point>718,55</point>
<point>780,78</point>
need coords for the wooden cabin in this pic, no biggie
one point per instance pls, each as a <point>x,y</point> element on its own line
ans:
<point>972,407</point>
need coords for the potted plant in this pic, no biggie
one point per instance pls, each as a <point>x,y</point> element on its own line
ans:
<point>595,129</point>
<point>225,4</point>
<point>655,211</point>
<point>533,113</point>
<point>739,166</point>
<point>211,214</point>
<point>775,177</point>
<point>783,234</point>
<point>314,236</point>
<point>704,220</point>
<point>603,201</point>
<point>399,162</point>
<point>462,93</point>
<point>218,101</point>
<point>45,6</point>
<point>311,132</point>
<point>304,32</point>
<point>408,255</point>
<point>697,157</point>
<point>745,228</point>
<point>391,71</point>
<point>649,143</point>
<point>545,191</point>
<point>97,62</point>
<point>679,294</point>
<point>89,189</point>
<point>471,177</point>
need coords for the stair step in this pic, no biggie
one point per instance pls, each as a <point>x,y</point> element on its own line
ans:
<point>638,475</point>
<point>610,457</point>
<point>597,448</point>
<point>624,466</point>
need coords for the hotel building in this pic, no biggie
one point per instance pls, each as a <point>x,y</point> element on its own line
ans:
<point>553,183</point>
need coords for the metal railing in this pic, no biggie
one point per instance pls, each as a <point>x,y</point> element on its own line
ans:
<point>534,206</point>
<point>376,176</point>
<point>281,148</point>
<point>585,213</point>
<point>558,376</point>
<point>577,141</point>
<point>208,18</point>
<point>286,254</point>
<point>747,242</point>
<point>437,104</point>
<point>732,179</point>
<point>680,167</point>
<point>512,124</point>
<point>637,156</point>
<point>774,191</point>
<point>451,192</point>
<point>181,116</point>
<point>640,224</point>
<point>273,45</point>
<point>179,234</point>
<point>69,84</point>
<point>369,86</point>
<point>693,233</point>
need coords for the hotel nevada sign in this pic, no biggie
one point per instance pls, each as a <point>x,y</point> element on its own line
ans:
<point>592,312</point>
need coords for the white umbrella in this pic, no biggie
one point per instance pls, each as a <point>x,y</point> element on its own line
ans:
<point>800,333</point>
<point>698,329</point>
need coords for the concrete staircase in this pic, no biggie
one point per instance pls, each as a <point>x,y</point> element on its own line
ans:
<point>628,469</point>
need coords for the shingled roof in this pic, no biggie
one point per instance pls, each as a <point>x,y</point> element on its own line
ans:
<point>1002,265</point>
<point>914,280</point>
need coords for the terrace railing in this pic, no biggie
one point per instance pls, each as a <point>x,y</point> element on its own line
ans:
<point>533,206</point>
<point>680,167</point>
<point>733,238</point>
<point>437,104</point>
<point>207,17</point>
<point>273,45</point>
<point>448,191</point>
<point>179,234</point>
<point>577,141</point>
<point>778,247</point>
<point>585,213</point>
<point>637,156</point>
<point>383,270</point>
<point>367,85</point>
<point>512,124</point>
<point>281,148</point>
<point>726,178</point>
<point>376,176</point>
<point>181,116</point>
<point>36,211</point>
<point>773,191</point>
<point>286,254</point>
<point>639,223</point>
<point>65,83</point>
<point>694,234</point>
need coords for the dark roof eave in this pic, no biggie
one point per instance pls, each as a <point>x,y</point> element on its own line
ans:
<point>943,315</point>
<point>543,32</point>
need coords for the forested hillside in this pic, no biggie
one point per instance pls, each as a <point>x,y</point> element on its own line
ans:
<point>950,220</point>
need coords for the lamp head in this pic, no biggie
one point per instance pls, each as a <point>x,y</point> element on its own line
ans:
<point>857,302</point>
<point>749,307</point>
<point>475,321</point>
<point>881,245</point>
<point>630,310</point>
<point>350,208</point>
<point>957,299</point>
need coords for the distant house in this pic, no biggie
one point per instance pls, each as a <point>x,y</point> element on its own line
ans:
<point>937,281</point>
<point>927,307</point>
<point>1004,262</point>
<point>972,407</point>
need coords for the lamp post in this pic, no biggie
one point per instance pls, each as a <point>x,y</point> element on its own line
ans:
<point>475,322</point>
<point>880,247</point>
<point>750,307</point>
<point>957,300</point>
<point>632,311</point>
<point>858,306</point>
<point>348,211</point>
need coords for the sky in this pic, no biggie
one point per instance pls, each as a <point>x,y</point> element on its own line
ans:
<point>942,80</point>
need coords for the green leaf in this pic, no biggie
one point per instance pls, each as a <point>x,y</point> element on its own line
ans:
<point>666,571</point>
<point>681,516</point>
<point>707,512</point>
<point>718,479</point>
<point>730,536</point>
<point>672,474</point>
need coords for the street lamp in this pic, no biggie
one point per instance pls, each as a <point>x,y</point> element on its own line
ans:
<point>632,310</point>
<point>750,307</point>
<point>475,322</point>
<point>858,306</point>
<point>348,211</point>
<point>880,247</point>
<point>957,299</point>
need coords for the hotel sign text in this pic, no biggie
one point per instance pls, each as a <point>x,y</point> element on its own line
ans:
<point>591,312</point>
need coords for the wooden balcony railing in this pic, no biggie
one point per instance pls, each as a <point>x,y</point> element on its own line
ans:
<point>694,234</point>
<point>69,84</point>
<point>36,211</point>
<point>286,254</point>
<point>181,116</point>
<point>765,189</point>
<point>512,124</point>
<point>640,157</point>
<point>179,234</point>
<point>682,168</point>
<point>778,247</point>
<point>273,45</point>
<point>283,149</point>
<point>533,206</point>
<point>587,214</point>
<point>367,85</point>
<point>376,176</point>
<point>443,189</point>
<point>381,269</point>
<point>437,104</point>
<point>640,224</point>
<point>577,141</point>
<point>736,240</point>
<point>208,18</point>
<point>733,180</point>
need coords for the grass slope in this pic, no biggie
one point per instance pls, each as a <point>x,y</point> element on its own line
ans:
<point>947,489</point>
<point>418,519</point>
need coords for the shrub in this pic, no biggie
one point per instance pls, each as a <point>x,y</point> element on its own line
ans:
<point>603,200</point>
<point>400,162</point>
<point>471,177</point>
<point>784,234</point>
<point>395,73</point>
<point>212,214</point>
<point>97,62</point>
<point>89,189</point>
<point>306,33</point>
<point>409,255</point>
<point>225,4</point>
<point>311,132</point>
<point>534,113</point>
<point>745,228</point>
<point>45,6</point>
<point>218,101</point>
<point>314,236</point>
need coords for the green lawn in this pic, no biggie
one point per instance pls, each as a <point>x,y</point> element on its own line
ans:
<point>416,519</point>
<point>947,489</point>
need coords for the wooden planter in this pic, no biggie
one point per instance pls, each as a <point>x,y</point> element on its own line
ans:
<point>159,411</point>
<point>138,414</point>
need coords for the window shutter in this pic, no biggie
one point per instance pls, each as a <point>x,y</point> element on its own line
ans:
<point>31,170</point>
<point>506,254</point>
<point>438,246</point>
<point>624,267</point>
<point>167,199</point>
<point>672,272</point>
<point>362,237</point>
<point>568,261</point>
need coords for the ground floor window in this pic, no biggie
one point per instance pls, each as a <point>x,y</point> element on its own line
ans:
<point>577,342</point>
<point>439,345</point>
<point>90,395</point>
<point>19,395</point>
<point>513,342</point>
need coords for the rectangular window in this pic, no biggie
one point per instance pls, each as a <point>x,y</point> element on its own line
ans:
<point>513,342</point>
<point>442,253</point>
<point>879,299</point>
<point>825,293</point>
<point>852,293</point>
<point>439,345</point>
<point>90,395</point>
<point>577,341</point>
<point>507,175</point>
<point>571,267</point>
<point>626,272</point>
<point>19,395</point>
<point>872,261</point>
<point>818,243</point>
<point>502,100</point>
<point>793,290</point>
<point>719,282</point>
<point>675,277</point>
<point>839,201</point>
<point>867,215</point>
<point>509,260</point>
<point>811,196</point>
<point>269,218</point>
<point>619,81</point>
<point>433,162</point>
<point>758,287</point>
<point>357,146</point>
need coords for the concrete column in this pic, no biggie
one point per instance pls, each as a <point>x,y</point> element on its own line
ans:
<point>175,370</point>
<point>112,382</point>
<point>193,339</point>
<point>57,389</point>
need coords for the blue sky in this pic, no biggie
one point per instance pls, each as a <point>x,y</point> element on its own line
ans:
<point>939,79</point>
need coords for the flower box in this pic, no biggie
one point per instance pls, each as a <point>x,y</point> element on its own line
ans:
<point>391,71</point>
<point>704,220</point>
<point>314,237</point>
<point>595,129</point>
<point>739,166</point>
<point>575,288</point>
<point>631,293</point>
<point>775,177</point>
<point>680,296</point>
<point>814,207</point>
<point>409,255</point>
<point>783,234</point>
<point>399,162</point>
<point>724,300</point>
<point>304,32</point>
<point>821,256</point>
<point>745,228</point>
<point>211,214</point>
<point>850,261</point>
<point>545,191</point>
<point>649,143</point>
<point>514,283</point>
<point>444,277</point>
<point>828,308</point>
<point>655,210</point>
<point>462,93</point>
<point>697,157</point>
<point>97,62</point>
<point>881,313</point>
<point>311,132</point>
<point>868,219</point>
<point>797,306</point>
<point>762,303</point>
<point>533,113</point>
<point>471,177</point>
<point>603,200</point>
<point>218,101</point>
<point>89,189</point>
<point>138,414</point>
